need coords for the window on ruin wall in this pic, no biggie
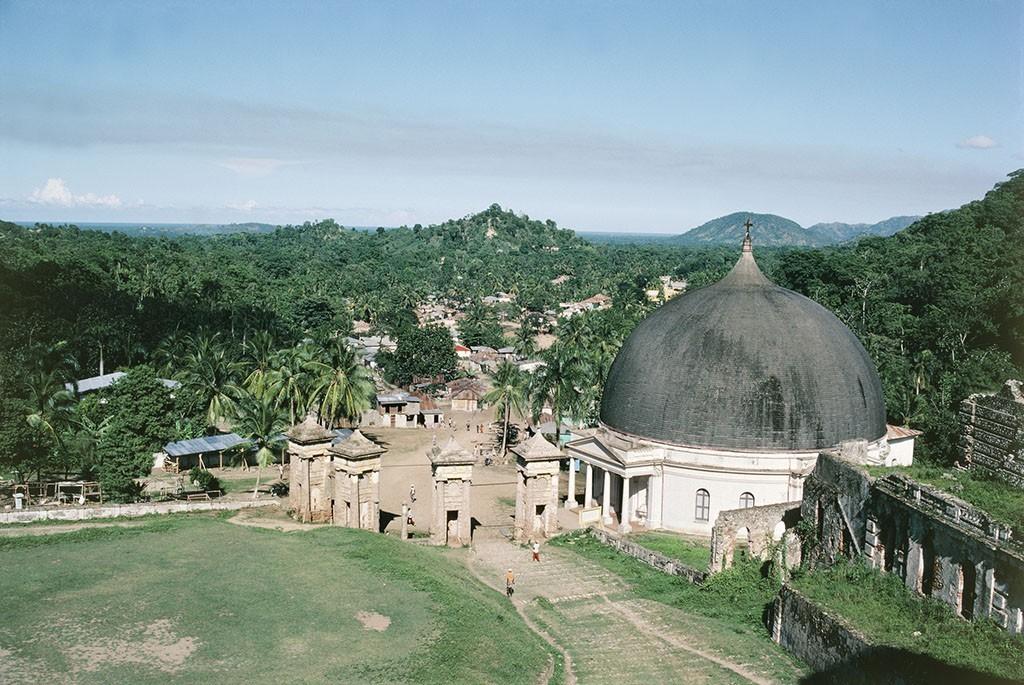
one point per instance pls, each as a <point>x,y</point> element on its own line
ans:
<point>746,500</point>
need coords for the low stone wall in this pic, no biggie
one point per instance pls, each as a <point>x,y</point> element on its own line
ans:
<point>813,635</point>
<point>672,567</point>
<point>131,510</point>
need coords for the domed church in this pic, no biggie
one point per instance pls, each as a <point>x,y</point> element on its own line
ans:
<point>722,399</point>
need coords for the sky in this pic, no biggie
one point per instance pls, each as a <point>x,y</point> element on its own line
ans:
<point>617,116</point>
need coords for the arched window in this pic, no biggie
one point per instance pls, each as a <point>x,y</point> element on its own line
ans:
<point>703,508</point>
<point>746,500</point>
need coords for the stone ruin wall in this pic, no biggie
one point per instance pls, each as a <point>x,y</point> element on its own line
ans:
<point>939,545</point>
<point>663,563</point>
<point>763,528</point>
<point>992,433</point>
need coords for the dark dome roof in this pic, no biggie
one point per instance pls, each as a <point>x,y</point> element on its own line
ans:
<point>744,365</point>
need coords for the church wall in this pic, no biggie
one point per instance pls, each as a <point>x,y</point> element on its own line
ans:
<point>680,494</point>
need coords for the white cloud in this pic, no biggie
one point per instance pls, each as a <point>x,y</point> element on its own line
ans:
<point>56,192</point>
<point>978,142</point>
<point>255,166</point>
<point>246,206</point>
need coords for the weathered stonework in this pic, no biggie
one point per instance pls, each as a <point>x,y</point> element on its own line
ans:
<point>307,488</point>
<point>538,464</point>
<point>354,472</point>
<point>804,629</point>
<point>665,564</point>
<point>772,523</point>
<point>992,433</point>
<point>452,469</point>
<point>939,545</point>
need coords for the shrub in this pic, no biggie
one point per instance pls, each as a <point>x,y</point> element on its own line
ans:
<point>204,479</point>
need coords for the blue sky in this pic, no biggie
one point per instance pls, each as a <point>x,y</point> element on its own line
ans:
<point>602,116</point>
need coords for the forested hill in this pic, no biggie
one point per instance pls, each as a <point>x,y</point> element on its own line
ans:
<point>774,230</point>
<point>939,306</point>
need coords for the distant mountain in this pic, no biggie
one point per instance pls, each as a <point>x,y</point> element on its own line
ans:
<point>776,231</point>
<point>769,229</point>
<point>838,232</point>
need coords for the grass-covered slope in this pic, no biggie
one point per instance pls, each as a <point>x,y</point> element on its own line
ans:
<point>198,599</point>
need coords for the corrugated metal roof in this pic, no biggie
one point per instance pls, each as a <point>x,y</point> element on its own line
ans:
<point>94,383</point>
<point>208,444</point>
<point>900,432</point>
<point>341,435</point>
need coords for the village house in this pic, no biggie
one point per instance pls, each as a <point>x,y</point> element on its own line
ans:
<point>467,394</point>
<point>104,381</point>
<point>595,302</point>
<point>462,352</point>
<point>401,409</point>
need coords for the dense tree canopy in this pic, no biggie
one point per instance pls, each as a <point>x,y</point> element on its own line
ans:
<point>939,306</point>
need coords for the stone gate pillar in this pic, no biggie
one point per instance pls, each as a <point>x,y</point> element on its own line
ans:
<point>356,464</point>
<point>538,464</point>
<point>309,495</point>
<point>452,469</point>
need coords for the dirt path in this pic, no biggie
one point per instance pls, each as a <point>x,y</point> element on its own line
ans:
<point>605,633</point>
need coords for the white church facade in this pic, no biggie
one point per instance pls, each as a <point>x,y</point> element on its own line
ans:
<point>722,399</point>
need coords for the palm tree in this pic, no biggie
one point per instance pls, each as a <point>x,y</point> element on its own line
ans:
<point>258,355</point>
<point>561,382</point>
<point>509,393</point>
<point>52,406</point>
<point>209,369</point>
<point>525,342</point>
<point>261,421</point>
<point>343,388</point>
<point>290,379</point>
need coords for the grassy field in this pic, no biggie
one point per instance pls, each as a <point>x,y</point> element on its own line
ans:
<point>727,610</point>
<point>692,553</point>
<point>1003,502</point>
<point>198,599</point>
<point>881,607</point>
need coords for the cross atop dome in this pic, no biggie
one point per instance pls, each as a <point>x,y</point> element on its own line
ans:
<point>747,244</point>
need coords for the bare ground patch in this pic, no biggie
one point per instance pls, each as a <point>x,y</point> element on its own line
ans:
<point>371,620</point>
<point>155,644</point>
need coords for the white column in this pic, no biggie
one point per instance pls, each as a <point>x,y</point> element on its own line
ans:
<point>624,526</point>
<point>570,500</point>
<point>654,501</point>
<point>588,493</point>
<point>606,500</point>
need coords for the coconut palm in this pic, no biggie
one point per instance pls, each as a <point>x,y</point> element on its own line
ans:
<point>260,420</point>
<point>291,378</point>
<point>560,383</point>
<point>258,357</point>
<point>509,393</point>
<point>51,403</point>
<point>342,387</point>
<point>215,375</point>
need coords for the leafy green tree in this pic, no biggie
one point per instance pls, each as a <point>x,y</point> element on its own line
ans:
<point>481,327</point>
<point>212,373</point>
<point>139,421</point>
<point>426,351</point>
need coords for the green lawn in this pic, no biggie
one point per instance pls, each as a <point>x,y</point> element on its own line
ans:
<point>1003,502</point>
<point>198,599</point>
<point>881,607</point>
<point>692,553</point>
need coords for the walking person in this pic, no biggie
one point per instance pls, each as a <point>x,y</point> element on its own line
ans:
<point>510,583</point>
<point>536,550</point>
